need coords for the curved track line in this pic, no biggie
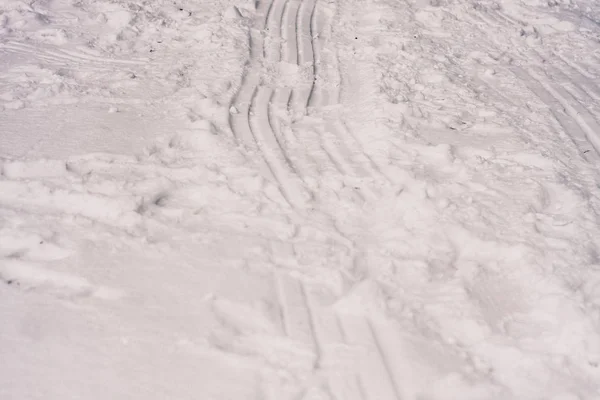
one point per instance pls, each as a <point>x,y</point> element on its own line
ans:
<point>239,120</point>
<point>271,149</point>
<point>290,17</point>
<point>310,148</point>
<point>275,135</point>
<point>305,46</point>
<point>278,106</point>
<point>274,27</point>
<point>281,100</point>
<point>316,50</point>
<point>303,167</point>
<point>299,100</point>
<point>306,53</point>
<point>260,116</point>
<point>252,127</point>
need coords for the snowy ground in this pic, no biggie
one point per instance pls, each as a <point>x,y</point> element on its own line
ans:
<point>300,199</point>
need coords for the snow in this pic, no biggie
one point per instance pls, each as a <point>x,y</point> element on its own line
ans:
<point>300,199</point>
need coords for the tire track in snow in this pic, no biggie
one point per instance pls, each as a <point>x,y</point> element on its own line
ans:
<point>571,74</point>
<point>291,154</point>
<point>296,314</point>
<point>342,383</point>
<point>565,103</point>
<point>339,146</point>
<point>68,57</point>
<point>576,67</point>
<point>278,104</point>
<point>306,55</point>
<point>384,349</point>
<point>250,122</point>
<point>301,51</point>
<point>282,96</point>
<point>305,18</point>
<point>300,23</point>
<point>352,354</point>
<point>310,52</point>
<point>274,26</point>
<point>584,130</point>
<point>316,51</point>
<point>334,149</point>
<point>264,23</point>
<point>290,37</point>
<point>303,162</point>
<point>376,376</point>
<point>270,147</point>
<point>353,150</point>
<point>358,358</point>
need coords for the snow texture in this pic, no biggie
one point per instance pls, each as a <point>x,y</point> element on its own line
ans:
<point>300,199</point>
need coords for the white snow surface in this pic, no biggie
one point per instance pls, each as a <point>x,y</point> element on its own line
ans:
<point>300,199</point>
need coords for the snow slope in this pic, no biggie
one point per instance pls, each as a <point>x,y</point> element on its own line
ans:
<point>300,199</point>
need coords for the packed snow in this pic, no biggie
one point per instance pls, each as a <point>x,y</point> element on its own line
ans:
<point>300,199</point>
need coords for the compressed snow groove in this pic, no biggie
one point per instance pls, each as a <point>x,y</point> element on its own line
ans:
<point>290,31</point>
<point>354,154</point>
<point>316,56</point>
<point>306,50</point>
<point>324,331</point>
<point>377,377</point>
<point>575,109</point>
<point>253,120</point>
<point>570,112</point>
<point>250,122</point>
<point>274,25</point>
